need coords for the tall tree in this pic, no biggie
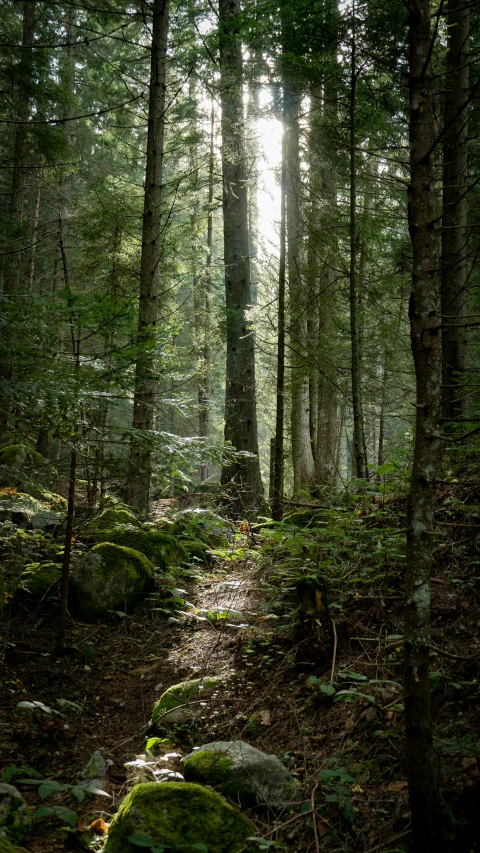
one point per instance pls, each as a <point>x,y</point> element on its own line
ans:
<point>146,382</point>
<point>429,821</point>
<point>242,477</point>
<point>455,209</point>
<point>358,453</point>
<point>14,262</point>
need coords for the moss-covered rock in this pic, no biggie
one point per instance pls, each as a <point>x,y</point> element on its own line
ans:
<point>198,550</point>
<point>302,496</point>
<point>15,816</point>
<point>160,548</point>
<point>109,578</point>
<point>167,709</point>
<point>114,516</point>
<point>20,463</point>
<point>180,815</point>
<point>40,580</point>
<point>202,524</point>
<point>242,774</point>
<point>306,518</point>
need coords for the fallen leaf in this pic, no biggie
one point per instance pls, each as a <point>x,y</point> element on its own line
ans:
<point>396,787</point>
<point>99,826</point>
<point>82,824</point>
<point>264,718</point>
<point>322,827</point>
<point>437,580</point>
<point>349,724</point>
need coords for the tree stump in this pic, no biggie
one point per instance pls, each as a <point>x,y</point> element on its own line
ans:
<point>313,624</point>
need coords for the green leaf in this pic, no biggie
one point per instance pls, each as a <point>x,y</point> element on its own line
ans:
<point>49,787</point>
<point>78,792</point>
<point>328,689</point>
<point>202,847</point>
<point>141,840</point>
<point>43,811</point>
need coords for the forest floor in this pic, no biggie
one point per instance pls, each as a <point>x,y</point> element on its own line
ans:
<point>233,619</point>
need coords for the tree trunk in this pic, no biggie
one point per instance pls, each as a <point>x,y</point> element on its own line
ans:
<point>146,380</point>
<point>302,456</point>
<point>14,262</point>
<point>455,209</point>
<point>241,478</point>
<point>429,821</point>
<point>67,553</point>
<point>278,466</point>
<point>358,455</point>
<point>202,284</point>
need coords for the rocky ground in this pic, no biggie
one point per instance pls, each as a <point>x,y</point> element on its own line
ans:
<point>233,620</point>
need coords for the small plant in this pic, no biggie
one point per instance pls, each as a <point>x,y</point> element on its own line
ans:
<point>334,782</point>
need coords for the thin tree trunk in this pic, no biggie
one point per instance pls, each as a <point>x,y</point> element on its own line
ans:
<point>241,478</point>
<point>146,380</point>
<point>302,457</point>
<point>14,262</point>
<point>67,553</point>
<point>36,212</point>
<point>277,490</point>
<point>429,824</point>
<point>358,455</point>
<point>201,290</point>
<point>455,209</point>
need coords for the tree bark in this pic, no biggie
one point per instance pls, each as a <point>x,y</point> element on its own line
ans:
<point>146,380</point>
<point>241,478</point>
<point>278,466</point>
<point>429,817</point>
<point>14,262</point>
<point>302,456</point>
<point>358,455</point>
<point>455,209</point>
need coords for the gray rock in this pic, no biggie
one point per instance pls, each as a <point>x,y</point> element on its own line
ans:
<point>96,767</point>
<point>15,816</point>
<point>242,773</point>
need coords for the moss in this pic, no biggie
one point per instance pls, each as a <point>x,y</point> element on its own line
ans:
<point>180,693</point>
<point>306,518</point>
<point>110,518</point>
<point>203,525</point>
<point>212,768</point>
<point>197,549</point>
<point>110,577</point>
<point>302,495</point>
<point>162,550</point>
<point>41,580</point>
<point>7,847</point>
<point>253,724</point>
<point>179,814</point>
<point>15,816</point>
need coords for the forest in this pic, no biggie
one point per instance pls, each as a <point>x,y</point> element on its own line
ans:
<point>239,427</point>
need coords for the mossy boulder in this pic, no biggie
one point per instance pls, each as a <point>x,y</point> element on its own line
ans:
<point>302,496</point>
<point>242,774</point>
<point>160,548</point>
<point>179,815</point>
<point>109,578</point>
<point>198,550</point>
<point>167,709</point>
<point>202,524</point>
<point>110,518</point>
<point>21,464</point>
<point>40,580</point>
<point>15,816</point>
<point>306,518</point>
